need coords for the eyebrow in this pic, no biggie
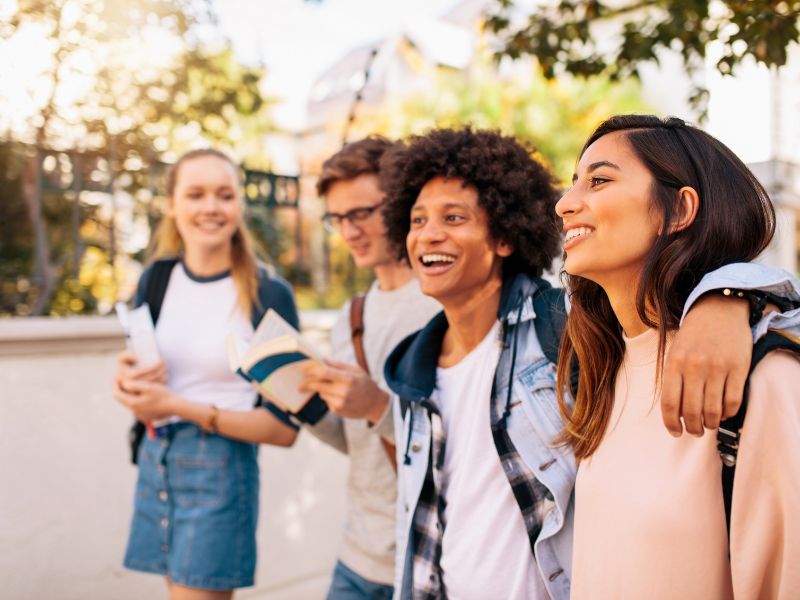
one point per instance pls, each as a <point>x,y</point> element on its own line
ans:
<point>596,165</point>
<point>447,205</point>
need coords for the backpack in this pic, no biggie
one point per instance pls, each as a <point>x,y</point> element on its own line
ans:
<point>550,321</point>
<point>729,430</point>
<point>155,287</point>
<point>154,291</point>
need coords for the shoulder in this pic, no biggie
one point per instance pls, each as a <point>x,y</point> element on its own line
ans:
<point>276,293</point>
<point>774,390</point>
<point>777,370</point>
<point>159,269</point>
<point>270,283</point>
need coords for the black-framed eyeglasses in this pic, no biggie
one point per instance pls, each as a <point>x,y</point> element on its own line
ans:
<point>333,221</point>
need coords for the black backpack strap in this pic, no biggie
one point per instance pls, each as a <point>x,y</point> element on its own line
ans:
<point>729,431</point>
<point>550,307</point>
<point>551,319</point>
<point>156,285</point>
<point>152,291</point>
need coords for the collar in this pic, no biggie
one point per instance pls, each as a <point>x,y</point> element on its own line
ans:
<point>410,370</point>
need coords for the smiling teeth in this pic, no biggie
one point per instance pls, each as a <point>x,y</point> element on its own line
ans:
<point>578,231</point>
<point>432,258</point>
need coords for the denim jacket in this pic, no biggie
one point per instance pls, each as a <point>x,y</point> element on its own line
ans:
<point>533,420</point>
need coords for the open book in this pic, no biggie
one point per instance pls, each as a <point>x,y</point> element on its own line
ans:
<point>273,361</point>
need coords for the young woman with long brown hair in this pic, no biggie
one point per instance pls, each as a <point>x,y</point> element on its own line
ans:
<point>656,205</point>
<point>196,503</point>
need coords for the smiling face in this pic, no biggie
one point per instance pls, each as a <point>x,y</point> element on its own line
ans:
<point>449,245</point>
<point>609,218</point>
<point>366,238</point>
<point>206,204</point>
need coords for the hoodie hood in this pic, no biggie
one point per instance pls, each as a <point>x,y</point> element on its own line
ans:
<point>410,370</point>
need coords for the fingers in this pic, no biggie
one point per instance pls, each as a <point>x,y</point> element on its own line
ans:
<point>323,372</point>
<point>123,397</point>
<point>713,393</point>
<point>126,358</point>
<point>135,386</point>
<point>156,372</point>
<point>692,397</point>
<point>341,366</point>
<point>328,390</point>
<point>734,391</point>
<point>671,391</point>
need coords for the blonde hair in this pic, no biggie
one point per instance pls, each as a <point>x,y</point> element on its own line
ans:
<point>167,241</point>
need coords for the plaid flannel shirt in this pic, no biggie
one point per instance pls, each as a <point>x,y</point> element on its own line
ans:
<point>428,525</point>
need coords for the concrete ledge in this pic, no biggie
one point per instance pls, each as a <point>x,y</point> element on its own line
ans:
<point>52,335</point>
<point>67,335</point>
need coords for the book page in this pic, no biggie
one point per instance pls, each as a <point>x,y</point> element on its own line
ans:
<point>140,333</point>
<point>281,387</point>
<point>273,326</point>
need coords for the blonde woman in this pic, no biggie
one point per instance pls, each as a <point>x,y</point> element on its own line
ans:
<point>196,501</point>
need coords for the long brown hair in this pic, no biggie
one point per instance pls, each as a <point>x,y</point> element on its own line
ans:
<point>734,223</point>
<point>167,241</point>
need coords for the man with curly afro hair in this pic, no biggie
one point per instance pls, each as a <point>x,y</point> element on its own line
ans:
<point>484,489</point>
<point>473,213</point>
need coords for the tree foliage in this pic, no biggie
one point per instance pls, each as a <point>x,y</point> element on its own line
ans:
<point>553,115</point>
<point>132,81</point>
<point>590,37</point>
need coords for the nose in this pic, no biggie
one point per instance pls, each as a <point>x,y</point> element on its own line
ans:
<point>210,203</point>
<point>349,230</point>
<point>568,204</point>
<point>431,232</point>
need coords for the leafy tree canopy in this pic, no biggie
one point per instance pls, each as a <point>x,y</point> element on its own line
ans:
<point>614,37</point>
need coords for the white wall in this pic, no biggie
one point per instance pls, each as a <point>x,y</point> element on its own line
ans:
<point>66,486</point>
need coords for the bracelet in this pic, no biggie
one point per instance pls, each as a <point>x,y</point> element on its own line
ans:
<point>757,300</point>
<point>210,424</point>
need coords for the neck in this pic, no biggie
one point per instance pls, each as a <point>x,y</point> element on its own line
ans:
<point>206,262</point>
<point>469,321</point>
<point>393,276</point>
<point>623,302</point>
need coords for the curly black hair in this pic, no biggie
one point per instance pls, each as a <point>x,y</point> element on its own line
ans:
<point>517,192</point>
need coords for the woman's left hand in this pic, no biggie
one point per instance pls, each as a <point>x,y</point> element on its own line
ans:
<point>147,400</point>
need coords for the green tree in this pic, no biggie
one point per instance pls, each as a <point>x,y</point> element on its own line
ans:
<point>554,115</point>
<point>591,37</point>
<point>128,80</point>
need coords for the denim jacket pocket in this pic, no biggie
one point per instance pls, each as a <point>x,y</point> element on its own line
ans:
<point>539,384</point>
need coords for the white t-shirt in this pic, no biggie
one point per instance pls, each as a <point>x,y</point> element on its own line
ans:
<point>196,316</point>
<point>369,535</point>
<point>485,547</point>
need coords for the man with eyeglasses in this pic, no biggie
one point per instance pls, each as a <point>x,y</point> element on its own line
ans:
<point>360,417</point>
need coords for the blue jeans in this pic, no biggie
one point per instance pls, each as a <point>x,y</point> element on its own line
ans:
<point>348,585</point>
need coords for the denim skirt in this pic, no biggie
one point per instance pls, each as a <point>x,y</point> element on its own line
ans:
<point>196,508</point>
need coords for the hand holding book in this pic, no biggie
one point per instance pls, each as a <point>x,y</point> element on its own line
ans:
<point>273,361</point>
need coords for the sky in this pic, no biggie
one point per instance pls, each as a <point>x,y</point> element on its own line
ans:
<point>298,40</point>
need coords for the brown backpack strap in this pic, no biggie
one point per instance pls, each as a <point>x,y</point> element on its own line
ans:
<point>357,329</point>
<point>357,337</point>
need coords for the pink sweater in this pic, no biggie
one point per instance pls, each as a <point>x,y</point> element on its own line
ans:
<point>649,519</point>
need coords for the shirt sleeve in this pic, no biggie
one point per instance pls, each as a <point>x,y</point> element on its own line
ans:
<point>330,429</point>
<point>746,276</point>
<point>765,518</point>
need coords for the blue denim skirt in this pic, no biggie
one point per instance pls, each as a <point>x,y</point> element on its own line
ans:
<point>196,508</point>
